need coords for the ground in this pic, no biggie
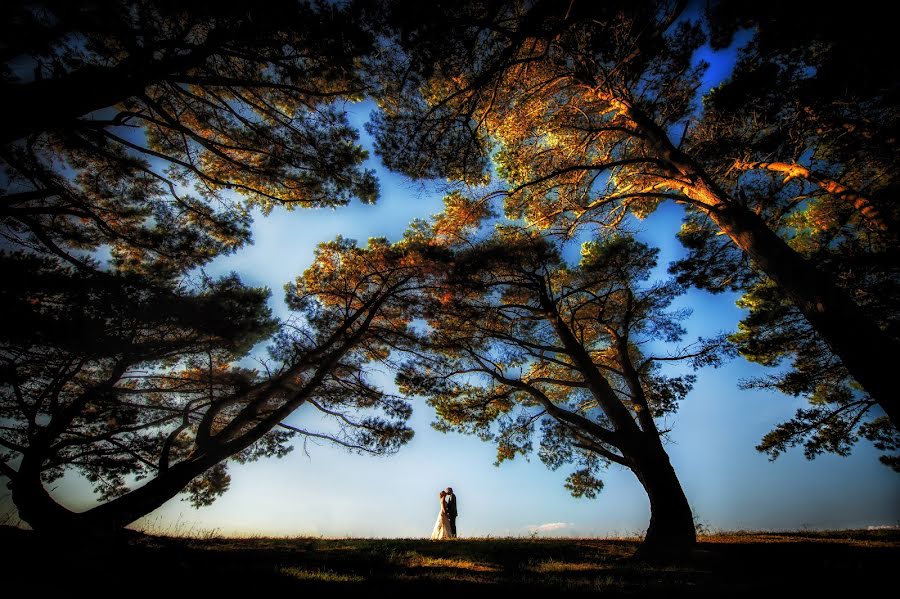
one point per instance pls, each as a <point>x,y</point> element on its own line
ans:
<point>737,564</point>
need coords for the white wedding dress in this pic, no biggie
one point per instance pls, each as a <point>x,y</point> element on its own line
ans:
<point>442,526</point>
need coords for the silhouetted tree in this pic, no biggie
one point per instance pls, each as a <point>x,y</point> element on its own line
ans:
<point>588,112</point>
<point>123,383</point>
<point>517,340</point>
<point>133,131</point>
<point>133,124</point>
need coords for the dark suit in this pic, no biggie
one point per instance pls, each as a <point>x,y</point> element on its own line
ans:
<point>450,500</point>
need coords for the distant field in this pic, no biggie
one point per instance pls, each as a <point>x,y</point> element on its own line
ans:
<point>726,565</point>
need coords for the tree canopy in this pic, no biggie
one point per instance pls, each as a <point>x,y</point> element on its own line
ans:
<point>138,137</point>
<point>133,125</point>
<point>156,395</point>
<point>588,114</point>
<point>518,341</point>
<point>807,125</point>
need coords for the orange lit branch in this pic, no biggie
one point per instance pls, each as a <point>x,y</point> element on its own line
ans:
<point>792,170</point>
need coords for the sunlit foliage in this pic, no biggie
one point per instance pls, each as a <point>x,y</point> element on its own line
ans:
<point>588,113</point>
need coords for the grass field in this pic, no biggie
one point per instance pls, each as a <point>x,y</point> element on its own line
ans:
<point>726,565</point>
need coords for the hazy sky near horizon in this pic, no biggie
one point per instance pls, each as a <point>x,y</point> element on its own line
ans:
<point>324,490</point>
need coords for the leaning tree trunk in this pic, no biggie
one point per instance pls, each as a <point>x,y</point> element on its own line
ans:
<point>34,504</point>
<point>43,514</point>
<point>864,349</point>
<point>671,532</point>
<point>47,517</point>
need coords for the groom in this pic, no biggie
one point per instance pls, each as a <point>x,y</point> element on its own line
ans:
<point>450,501</point>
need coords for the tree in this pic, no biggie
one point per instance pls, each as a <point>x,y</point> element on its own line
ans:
<point>839,412</point>
<point>517,340</point>
<point>138,385</point>
<point>795,124</point>
<point>131,128</point>
<point>116,110</point>
<point>588,113</point>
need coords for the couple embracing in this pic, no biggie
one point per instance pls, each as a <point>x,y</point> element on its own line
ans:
<point>445,527</point>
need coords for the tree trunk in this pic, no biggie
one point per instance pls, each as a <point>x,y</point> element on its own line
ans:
<point>51,103</point>
<point>47,517</point>
<point>865,350</point>
<point>37,507</point>
<point>671,533</point>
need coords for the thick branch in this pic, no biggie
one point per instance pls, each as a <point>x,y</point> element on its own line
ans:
<point>51,103</point>
<point>792,170</point>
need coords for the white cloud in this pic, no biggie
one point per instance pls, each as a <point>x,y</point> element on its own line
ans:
<point>550,526</point>
<point>883,527</point>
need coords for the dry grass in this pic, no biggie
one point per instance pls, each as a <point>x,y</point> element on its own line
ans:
<point>860,538</point>
<point>415,560</point>
<point>306,574</point>
<point>552,566</point>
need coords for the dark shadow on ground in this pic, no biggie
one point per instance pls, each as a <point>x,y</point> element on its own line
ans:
<point>738,565</point>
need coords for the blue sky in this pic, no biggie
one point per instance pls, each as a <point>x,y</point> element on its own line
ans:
<point>323,490</point>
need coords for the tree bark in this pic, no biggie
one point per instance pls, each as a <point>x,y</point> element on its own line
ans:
<point>671,532</point>
<point>792,170</point>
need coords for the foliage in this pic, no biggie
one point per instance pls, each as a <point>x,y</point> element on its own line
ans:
<point>588,114</point>
<point>138,138</point>
<point>792,134</point>
<point>521,344</point>
<point>160,398</point>
<point>96,368</point>
<point>168,112</point>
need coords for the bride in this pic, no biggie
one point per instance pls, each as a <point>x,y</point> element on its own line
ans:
<point>442,526</point>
